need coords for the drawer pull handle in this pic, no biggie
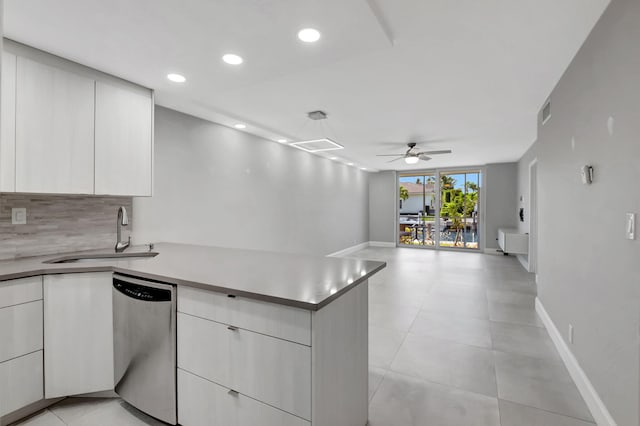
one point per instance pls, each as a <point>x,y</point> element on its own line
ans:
<point>232,328</point>
<point>232,296</point>
<point>233,393</point>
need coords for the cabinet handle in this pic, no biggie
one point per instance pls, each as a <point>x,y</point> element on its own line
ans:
<point>233,393</point>
<point>232,328</point>
<point>232,296</point>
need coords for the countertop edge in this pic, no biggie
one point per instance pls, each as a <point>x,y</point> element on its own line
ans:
<point>203,286</point>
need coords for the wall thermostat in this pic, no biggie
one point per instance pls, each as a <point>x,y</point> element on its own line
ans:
<point>587,174</point>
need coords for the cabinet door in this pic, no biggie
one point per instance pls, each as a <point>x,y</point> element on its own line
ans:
<point>271,370</point>
<point>78,333</point>
<point>203,403</point>
<point>8,124</point>
<point>54,130</point>
<point>20,382</point>
<point>124,140</point>
<point>20,329</point>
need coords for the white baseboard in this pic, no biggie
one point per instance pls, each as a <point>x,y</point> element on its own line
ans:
<point>349,250</point>
<point>523,262</point>
<point>598,410</point>
<point>382,244</point>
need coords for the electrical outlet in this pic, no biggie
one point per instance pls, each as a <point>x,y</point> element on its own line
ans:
<point>19,216</point>
<point>571,333</point>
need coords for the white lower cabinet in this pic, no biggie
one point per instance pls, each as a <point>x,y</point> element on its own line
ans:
<point>249,362</point>
<point>204,403</point>
<point>20,382</point>
<point>20,329</point>
<point>271,370</point>
<point>78,333</point>
<point>21,375</point>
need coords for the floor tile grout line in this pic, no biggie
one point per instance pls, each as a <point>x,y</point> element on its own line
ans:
<point>56,414</point>
<point>458,388</point>
<point>555,413</point>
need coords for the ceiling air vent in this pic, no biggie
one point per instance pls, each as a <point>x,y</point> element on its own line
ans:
<point>546,112</point>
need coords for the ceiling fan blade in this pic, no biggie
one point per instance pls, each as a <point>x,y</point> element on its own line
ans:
<point>424,157</point>
<point>442,151</point>
<point>390,155</point>
<point>395,159</point>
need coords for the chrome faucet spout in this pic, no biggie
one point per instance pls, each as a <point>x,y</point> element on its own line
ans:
<point>122,220</point>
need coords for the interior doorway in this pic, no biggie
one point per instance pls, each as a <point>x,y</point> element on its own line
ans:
<point>439,209</point>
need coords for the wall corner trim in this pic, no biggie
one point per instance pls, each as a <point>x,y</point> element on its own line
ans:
<point>349,250</point>
<point>598,410</point>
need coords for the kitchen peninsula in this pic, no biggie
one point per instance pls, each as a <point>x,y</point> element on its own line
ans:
<point>274,336</point>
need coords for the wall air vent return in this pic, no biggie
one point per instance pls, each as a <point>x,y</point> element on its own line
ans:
<point>546,112</point>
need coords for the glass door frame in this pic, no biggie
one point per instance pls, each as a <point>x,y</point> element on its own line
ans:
<point>438,193</point>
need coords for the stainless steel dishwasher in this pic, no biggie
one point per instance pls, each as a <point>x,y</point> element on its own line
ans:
<point>144,342</point>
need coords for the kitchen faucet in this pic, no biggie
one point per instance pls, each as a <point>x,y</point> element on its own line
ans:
<point>122,220</point>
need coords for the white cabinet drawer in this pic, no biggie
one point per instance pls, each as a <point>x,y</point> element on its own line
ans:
<point>203,403</point>
<point>14,292</point>
<point>280,321</point>
<point>20,330</point>
<point>20,382</point>
<point>274,371</point>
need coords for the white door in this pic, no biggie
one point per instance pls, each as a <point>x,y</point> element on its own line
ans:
<point>78,333</point>
<point>54,130</point>
<point>124,140</point>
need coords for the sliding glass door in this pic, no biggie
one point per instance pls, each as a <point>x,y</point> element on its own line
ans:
<point>459,209</point>
<point>417,210</point>
<point>439,209</point>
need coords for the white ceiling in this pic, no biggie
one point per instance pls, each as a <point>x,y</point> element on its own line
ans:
<point>469,73</point>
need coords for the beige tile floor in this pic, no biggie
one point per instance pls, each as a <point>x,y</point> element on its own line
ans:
<point>454,341</point>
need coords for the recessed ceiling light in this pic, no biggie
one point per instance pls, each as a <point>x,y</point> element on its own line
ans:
<point>363,168</point>
<point>282,140</point>
<point>309,35</point>
<point>176,78</point>
<point>349,164</point>
<point>333,158</point>
<point>232,59</point>
<point>240,126</point>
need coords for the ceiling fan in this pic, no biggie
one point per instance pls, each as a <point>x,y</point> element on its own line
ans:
<point>412,156</point>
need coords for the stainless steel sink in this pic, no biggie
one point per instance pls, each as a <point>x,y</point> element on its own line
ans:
<point>81,258</point>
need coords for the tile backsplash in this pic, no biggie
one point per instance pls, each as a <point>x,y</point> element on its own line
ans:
<point>60,223</point>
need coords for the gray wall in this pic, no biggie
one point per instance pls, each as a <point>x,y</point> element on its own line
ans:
<point>60,223</point>
<point>218,186</point>
<point>382,206</point>
<point>501,207</point>
<point>587,270</point>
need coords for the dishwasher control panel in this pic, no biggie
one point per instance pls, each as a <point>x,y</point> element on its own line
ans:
<point>148,294</point>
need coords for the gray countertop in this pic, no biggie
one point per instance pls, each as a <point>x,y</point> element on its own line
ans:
<point>303,281</point>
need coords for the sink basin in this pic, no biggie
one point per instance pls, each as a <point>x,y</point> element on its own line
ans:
<point>102,257</point>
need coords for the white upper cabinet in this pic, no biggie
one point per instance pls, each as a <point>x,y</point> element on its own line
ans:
<point>69,129</point>
<point>54,130</point>
<point>8,123</point>
<point>124,140</point>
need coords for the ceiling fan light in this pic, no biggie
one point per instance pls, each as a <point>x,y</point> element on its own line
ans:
<point>411,160</point>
